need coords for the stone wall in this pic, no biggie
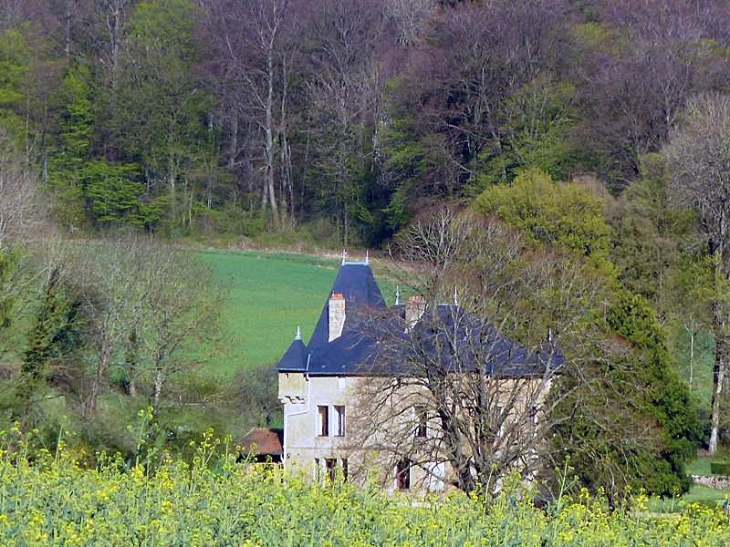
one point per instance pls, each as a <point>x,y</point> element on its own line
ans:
<point>713,481</point>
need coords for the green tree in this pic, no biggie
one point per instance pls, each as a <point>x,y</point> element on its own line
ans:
<point>28,81</point>
<point>8,266</point>
<point>623,416</point>
<point>57,331</point>
<point>69,160</point>
<point>14,68</point>
<point>116,197</point>
<point>404,162</point>
<point>659,253</point>
<point>650,237</point>
<point>164,107</point>
<point>564,215</point>
<point>534,133</point>
<point>686,298</point>
<point>698,155</point>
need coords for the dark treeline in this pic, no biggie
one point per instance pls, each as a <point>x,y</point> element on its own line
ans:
<point>344,118</point>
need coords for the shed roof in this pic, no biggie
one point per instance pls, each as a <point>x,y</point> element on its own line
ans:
<point>263,441</point>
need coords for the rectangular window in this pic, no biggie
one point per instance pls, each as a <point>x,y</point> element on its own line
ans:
<point>331,466</point>
<point>421,421</point>
<point>499,420</point>
<point>339,421</point>
<point>344,469</point>
<point>403,475</point>
<point>323,422</point>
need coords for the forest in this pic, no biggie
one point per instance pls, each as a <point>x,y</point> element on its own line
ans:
<point>595,131</point>
<point>338,118</point>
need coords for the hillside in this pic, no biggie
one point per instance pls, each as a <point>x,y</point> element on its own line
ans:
<point>269,294</point>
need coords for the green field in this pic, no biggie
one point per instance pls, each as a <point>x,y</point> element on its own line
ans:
<point>269,294</point>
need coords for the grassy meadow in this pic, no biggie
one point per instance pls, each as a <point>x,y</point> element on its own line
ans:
<point>269,294</point>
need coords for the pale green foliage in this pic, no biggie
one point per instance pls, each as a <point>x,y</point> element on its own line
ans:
<point>564,215</point>
<point>67,166</point>
<point>161,104</point>
<point>538,118</point>
<point>14,65</point>
<point>8,266</point>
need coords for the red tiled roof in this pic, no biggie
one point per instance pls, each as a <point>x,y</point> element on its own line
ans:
<point>264,441</point>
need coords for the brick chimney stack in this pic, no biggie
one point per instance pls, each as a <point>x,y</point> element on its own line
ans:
<point>414,310</point>
<point>336,315</point>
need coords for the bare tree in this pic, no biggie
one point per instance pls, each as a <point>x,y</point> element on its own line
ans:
<point>462,83</point>
<point>112,18</point>
<point>410,17</point>
<point>144,306</point>
<point>18,204</point>
<point>20,217</point>
<point>254,39</point>
<point>180,305</point>
<point>464,395</point>
<point>349,71</point>
<point>699,159</point>
<point>106,282</point>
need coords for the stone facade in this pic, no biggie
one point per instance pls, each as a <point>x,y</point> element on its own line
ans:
<point>317,446</point>
<point>344,415</point>
<point>326,422</point>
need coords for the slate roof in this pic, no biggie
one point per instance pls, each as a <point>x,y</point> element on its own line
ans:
<point>368,322</point>
<point>357,284</point>
<point>295,357</point>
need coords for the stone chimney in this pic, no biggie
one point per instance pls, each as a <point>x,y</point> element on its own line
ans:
<point>336,315</point>
<point>414,310</point>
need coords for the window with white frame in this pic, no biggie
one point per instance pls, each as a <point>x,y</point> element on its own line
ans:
<point>339,415</point>
<point>323,421</point>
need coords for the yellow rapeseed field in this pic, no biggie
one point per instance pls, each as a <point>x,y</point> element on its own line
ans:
<point>50,499</point>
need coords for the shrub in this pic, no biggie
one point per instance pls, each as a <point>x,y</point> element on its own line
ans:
<point>720,468</point>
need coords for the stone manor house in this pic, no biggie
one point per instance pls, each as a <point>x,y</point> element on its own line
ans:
<point>321,390</point>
